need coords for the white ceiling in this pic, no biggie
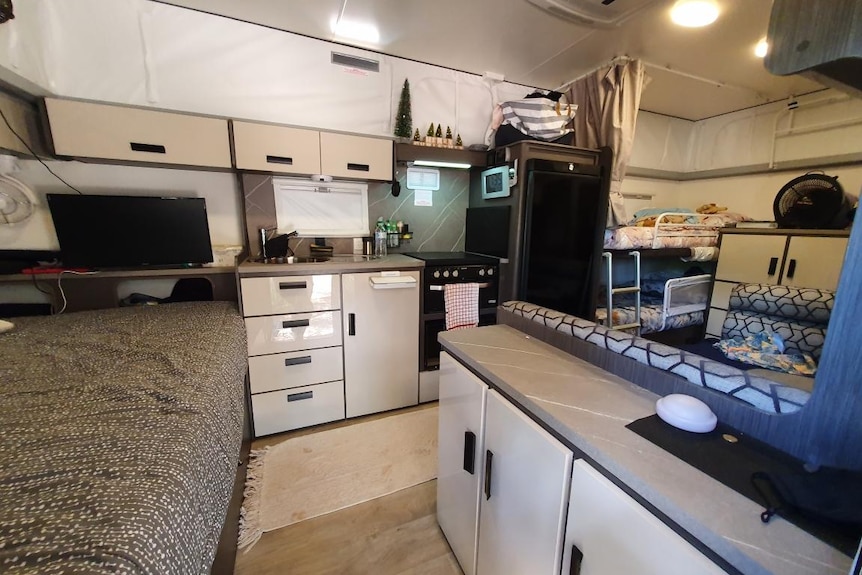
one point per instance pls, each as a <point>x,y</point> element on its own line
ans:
<point>714,70</point>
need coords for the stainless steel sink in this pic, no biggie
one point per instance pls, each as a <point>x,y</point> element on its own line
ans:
<point>345,258</point>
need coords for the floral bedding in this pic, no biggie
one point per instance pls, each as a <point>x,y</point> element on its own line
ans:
<point>650,318</point>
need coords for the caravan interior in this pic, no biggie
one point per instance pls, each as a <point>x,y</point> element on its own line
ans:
<point>231,229</point>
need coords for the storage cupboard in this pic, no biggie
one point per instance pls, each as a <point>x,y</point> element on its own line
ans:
<point>119,133</point>
<point>285,150</point>
<point>800,258</point>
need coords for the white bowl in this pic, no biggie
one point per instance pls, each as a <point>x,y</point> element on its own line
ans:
<point>686,412</point>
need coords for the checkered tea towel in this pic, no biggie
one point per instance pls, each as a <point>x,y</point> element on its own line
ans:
<point>462,305</point>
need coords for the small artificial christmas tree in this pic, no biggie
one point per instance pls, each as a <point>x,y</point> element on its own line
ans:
<point>448,133</point>
<point>404,120</point>
<point>458,142</point>
<point>416,136</point>
<point>430,132</point>
<point>439,132</point>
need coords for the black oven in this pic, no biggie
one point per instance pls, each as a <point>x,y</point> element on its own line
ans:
<point>443,268</point>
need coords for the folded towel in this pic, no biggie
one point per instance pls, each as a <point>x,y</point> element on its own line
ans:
<point>702,254</point>
<point>462,305</point>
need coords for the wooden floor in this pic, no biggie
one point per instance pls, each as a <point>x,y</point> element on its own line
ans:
<point>392,535</point>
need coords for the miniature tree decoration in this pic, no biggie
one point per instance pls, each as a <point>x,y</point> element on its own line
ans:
<point>430,132</point>
<point>404,120</point>
<point>458,142</point>
<point>439,132</point>
<point>448,133</point>
<point>416,136</point>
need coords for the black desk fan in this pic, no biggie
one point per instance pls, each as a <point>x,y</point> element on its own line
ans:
<point>813,201</point>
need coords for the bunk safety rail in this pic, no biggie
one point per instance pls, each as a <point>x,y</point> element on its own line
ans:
<point>635,289</point>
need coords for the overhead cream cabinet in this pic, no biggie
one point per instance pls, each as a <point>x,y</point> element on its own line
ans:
<point>609,532</point>
<point>295,364</point>
<point>800,258</point>
<point>284,150</point>
<point>345,156</point>
<point>502,483</point>
<point>101,131</point>
<point>279,149</point>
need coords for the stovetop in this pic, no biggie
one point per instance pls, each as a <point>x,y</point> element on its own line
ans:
<point>452,258</point>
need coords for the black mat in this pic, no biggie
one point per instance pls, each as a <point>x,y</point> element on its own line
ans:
<point>733,464</point>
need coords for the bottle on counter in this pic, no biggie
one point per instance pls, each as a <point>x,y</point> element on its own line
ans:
<point>380,238</point>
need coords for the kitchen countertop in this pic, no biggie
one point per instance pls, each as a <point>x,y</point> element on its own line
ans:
<point>588,408</point>
<point>337,264</point>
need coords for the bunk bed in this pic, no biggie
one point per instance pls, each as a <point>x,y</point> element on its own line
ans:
<point>679,301</point>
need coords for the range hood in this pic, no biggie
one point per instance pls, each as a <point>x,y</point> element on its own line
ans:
<point>819,39</point>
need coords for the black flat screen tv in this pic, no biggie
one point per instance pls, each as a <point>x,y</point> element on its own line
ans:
<point>130,231</point>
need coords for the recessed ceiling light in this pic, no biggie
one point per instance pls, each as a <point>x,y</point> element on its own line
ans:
<point>352,30</point>
<point>694,13</point>
<point>762,48</point>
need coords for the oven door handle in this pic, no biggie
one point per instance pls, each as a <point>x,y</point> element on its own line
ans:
<point>440,288</point>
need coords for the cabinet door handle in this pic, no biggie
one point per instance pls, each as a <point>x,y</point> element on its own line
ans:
<point>791,269</point>
<point>773,265</point>
<point>351,324</point>
<point>150,148</point>
<point>297,360</point>
<point>577,559</point>
<point>292,285</point>
<point>295,323</point>
<point>489,458</point>
<point>358,167</point>
<point>300,396</point>
<point>470,452</point>
<point>279,160</point>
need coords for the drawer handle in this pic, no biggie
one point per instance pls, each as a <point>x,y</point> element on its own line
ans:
<point>300,396</point>
<point>791,269</point>
<point>470,452</point>
<point>295,323</point>
<point>358,167</point>
<point>150,148</point>
<point>489,458</point>
<point>292,285</point>
<point>773,265</point>
<point>297,360</point>
<point>279,160</point>
<point>577,559</point>
<point>351,324</point>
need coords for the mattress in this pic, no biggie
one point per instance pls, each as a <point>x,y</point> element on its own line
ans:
<point>682,235</point>
<point>650,318</point>
<point>121,437</point>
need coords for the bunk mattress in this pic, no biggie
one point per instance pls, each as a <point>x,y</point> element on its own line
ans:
<point>650,317</point>
<point>121,436</point>
<point>701,230</point>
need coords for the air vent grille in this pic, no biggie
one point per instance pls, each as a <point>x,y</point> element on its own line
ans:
<point>593,12</point>
<point>355,62</point>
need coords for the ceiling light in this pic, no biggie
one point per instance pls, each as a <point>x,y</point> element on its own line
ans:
<point>436,164</point>
<point>761,49</point>
<point>353,30</point>
<point>694,13</point>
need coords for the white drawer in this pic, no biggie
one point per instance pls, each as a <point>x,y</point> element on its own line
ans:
<point>290,294</point>
<point>293,332</point>
<point>287,370</point>
<point>298,407</point>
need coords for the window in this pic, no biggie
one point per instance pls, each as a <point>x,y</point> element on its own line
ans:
<point>332,209</point>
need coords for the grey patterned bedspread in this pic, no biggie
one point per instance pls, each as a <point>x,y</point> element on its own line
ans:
<point>120,433</point>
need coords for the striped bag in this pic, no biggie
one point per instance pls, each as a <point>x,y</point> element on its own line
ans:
<point>539,117</point>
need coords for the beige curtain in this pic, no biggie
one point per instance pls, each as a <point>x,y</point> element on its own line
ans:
<point>608,101</point>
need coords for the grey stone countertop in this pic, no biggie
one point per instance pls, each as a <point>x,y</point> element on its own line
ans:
<point>589,408</point>
<point>336,264</point>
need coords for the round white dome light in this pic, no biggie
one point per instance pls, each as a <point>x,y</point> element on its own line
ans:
<point>694,13</point>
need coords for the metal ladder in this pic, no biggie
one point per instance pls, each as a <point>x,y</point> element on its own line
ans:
<point>635,289</point>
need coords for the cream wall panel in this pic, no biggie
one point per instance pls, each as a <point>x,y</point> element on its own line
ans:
<point>662,143</point>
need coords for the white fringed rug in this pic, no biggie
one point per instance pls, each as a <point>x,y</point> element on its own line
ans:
<point>315,474</point>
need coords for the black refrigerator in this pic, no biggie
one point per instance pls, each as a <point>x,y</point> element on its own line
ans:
<point>565,209</point>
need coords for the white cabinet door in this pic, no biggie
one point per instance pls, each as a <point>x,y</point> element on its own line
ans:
<point>610,533</point>
<point>814,262</point>
<point>88,130</point>
<point>750,258</point>
<point>278,149</point>
<point>345,156</point>
<point>525,487</point>
<point>381,342</point>
<point>461,441</point>
<point>290,294</point>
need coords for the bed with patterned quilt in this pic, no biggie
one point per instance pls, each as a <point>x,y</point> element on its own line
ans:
<point>670,229</point>
<point>121,433</point>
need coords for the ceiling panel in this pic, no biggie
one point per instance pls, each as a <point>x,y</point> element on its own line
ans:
<point>532,47</point>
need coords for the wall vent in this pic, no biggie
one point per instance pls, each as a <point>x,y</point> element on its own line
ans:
<point>355,62</point>
<point>600,13</point>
